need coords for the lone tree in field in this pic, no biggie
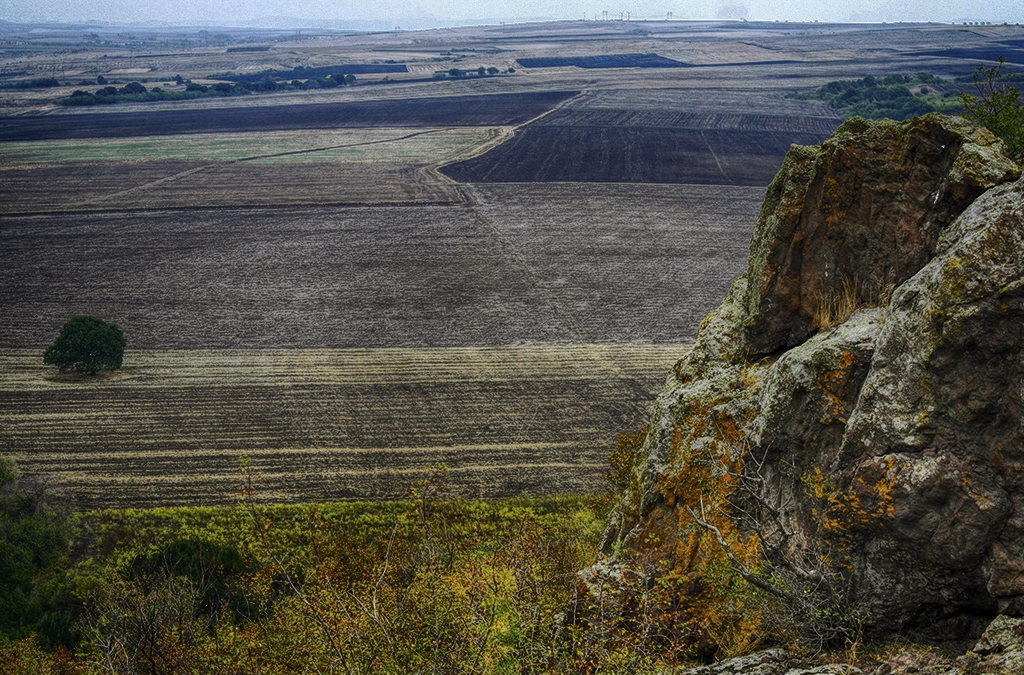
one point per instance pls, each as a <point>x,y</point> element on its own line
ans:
<point>86,345</point>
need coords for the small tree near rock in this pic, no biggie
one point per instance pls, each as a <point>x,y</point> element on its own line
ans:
<point>998,106</point>
<point>86,344</point>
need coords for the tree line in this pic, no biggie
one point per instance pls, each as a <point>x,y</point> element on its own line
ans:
<point>135,91</point>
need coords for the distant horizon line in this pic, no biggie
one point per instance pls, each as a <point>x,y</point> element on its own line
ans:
<point>280,23</point>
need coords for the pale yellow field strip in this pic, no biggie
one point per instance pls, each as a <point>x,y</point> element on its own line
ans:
<point>398,144</point>
<point>296,453</point>
<point>23,369</point>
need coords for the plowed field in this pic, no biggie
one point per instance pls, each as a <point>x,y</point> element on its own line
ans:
<point>650,136</point>
<point>610,154</point>
<point>328,424</point>
<point>519,264</point>
<point>347,166</point>
<point>452,111</point>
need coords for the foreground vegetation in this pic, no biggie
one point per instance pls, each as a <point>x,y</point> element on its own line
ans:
<point>998,106</point>
<point>427,584</point>
<point>424,584</point>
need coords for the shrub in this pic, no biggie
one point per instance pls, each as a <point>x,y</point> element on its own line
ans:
<point>79,97</point>
<point>35,536</point>
<point>998,106</point>
<point>132,88</point>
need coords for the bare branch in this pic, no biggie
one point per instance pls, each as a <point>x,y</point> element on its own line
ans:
<point>740,567</point>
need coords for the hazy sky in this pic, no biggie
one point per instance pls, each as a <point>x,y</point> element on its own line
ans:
<point>242,12</point>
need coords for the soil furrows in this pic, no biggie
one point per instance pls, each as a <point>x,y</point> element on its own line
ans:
<point>355,423</point>
<point>627,263</point>
<point>621,272</point>
<point>50,187</point>
<point>446,111</point>
<point>676,119</point>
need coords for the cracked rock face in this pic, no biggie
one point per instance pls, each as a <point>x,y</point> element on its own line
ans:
<point>894,435</point>
<point>865,210</point>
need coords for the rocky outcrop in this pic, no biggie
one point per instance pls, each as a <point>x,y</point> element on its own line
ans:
<point>864,379</point>
<point>1000,651</point>
<point>863,211</point>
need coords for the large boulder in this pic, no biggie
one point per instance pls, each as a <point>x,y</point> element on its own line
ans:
<point>860,389</point>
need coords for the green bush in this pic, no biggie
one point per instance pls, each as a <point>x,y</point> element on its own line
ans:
<point>35,537</point>
<point>998,106</point>
<point>132,88</point>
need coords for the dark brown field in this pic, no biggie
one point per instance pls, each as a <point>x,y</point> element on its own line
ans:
<point>452,111</point>
<point>611,154</point>
<point>647,137</point>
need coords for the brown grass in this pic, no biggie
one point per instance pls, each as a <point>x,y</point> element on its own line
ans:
<point>834,307</point>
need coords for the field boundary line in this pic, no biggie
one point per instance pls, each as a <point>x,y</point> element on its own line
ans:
<point>334,147</point>
<point>508,132</point>
<point>433,171</point>
<point>230,207</point>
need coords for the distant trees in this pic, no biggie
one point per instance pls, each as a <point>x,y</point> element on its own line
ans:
<point>86,344</point>
<point>998,106</point>
<point>34,83</point>
<point>482,71</point>
<point>885,97</point>
<point>134,91</point>
<point>132,88</point>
